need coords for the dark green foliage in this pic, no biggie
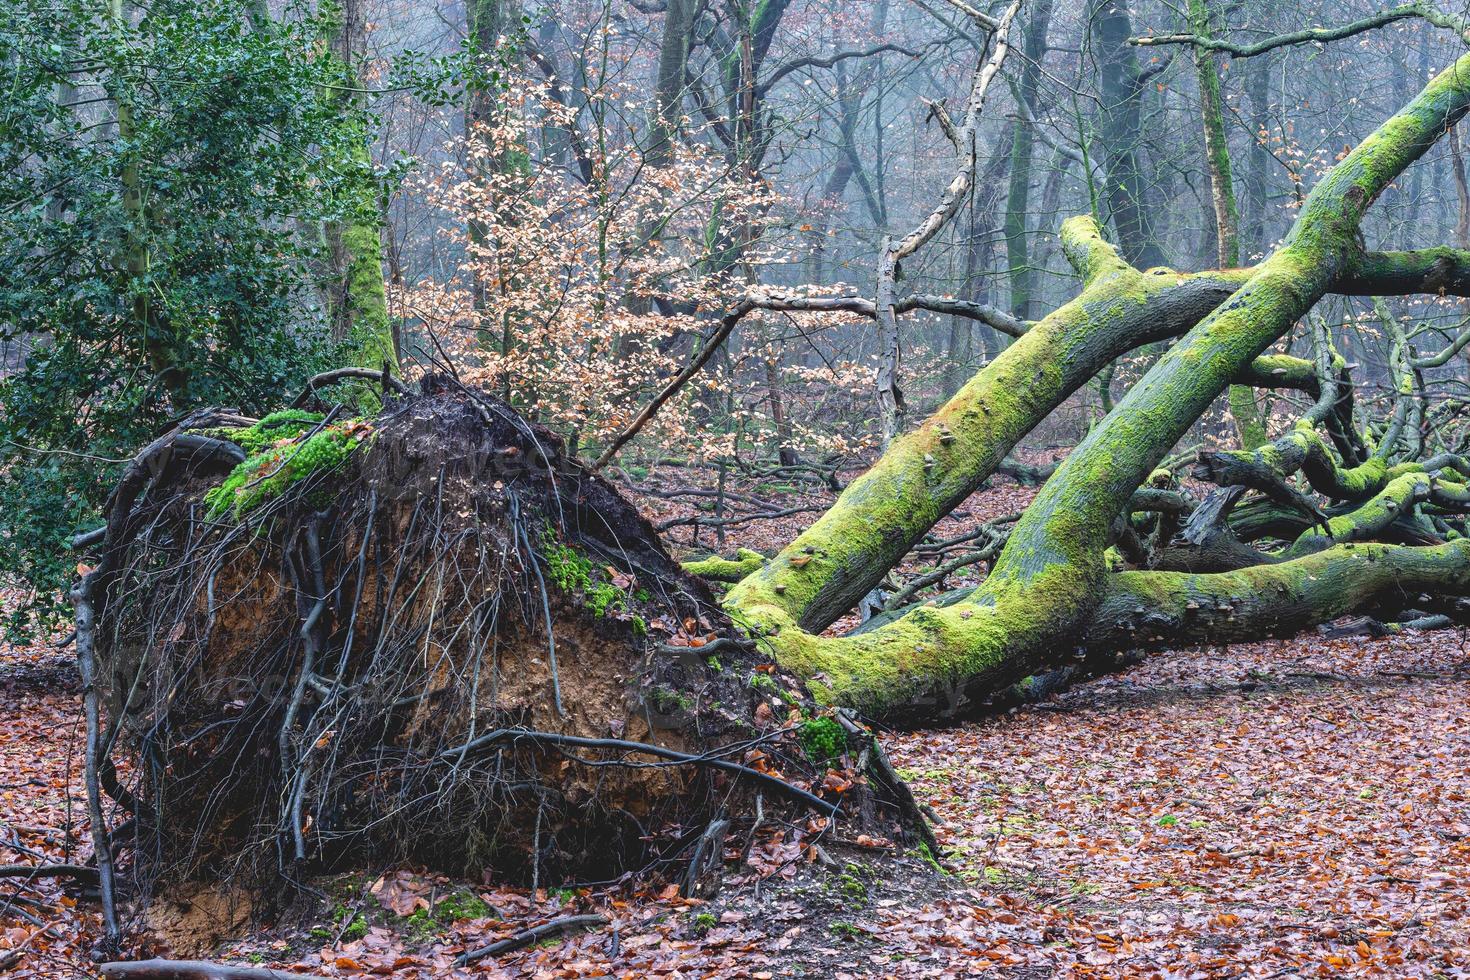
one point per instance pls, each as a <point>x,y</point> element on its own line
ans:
<point>240,150</point>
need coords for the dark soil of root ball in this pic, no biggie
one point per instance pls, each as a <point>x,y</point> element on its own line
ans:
<point>444,640</point>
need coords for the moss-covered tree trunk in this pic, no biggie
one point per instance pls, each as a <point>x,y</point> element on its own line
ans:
<point>1217,144</point>
<point>1043,595</point>
<point>357,305</point>
<point>1243,409</point>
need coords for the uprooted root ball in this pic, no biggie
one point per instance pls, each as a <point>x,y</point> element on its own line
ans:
<point>429,634</point>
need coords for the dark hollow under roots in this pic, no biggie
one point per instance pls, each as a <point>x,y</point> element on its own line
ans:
<point>454,645</point>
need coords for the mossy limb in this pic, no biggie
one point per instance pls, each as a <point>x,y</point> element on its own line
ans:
<point>1159,608</point>
<point>717,569</point>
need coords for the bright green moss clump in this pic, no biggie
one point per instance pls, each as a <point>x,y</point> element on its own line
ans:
<point>281,461</point>
<point>822,738</point>
<point>569,568</point>
<point>719,569</point>
<point>462,905</point>
<point>573,572</point>
<point>289,424</point>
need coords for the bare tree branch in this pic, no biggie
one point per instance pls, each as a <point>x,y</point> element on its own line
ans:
<point>797,64</point>
<point>979,16</point>
<point>1319,35</point>
<point>890,396</point>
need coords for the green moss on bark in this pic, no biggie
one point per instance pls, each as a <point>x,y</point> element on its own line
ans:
<point>371,337</point>
<point>717,569</point>
<point>1154,608</point>
<point>577,575</point>
<point>1047,583</point>
<point>1396,498</point>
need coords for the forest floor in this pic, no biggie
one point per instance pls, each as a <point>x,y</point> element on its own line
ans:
<point>1284,809</point>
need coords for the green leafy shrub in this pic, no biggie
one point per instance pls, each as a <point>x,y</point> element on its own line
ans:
<point>241,143</point>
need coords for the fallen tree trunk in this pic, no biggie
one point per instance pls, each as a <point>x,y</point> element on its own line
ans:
<point>1042,596</point>
<point>1152,609</point>
<point>194,970</point>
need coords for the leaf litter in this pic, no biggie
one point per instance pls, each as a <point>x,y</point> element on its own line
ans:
<point>1296,808</point>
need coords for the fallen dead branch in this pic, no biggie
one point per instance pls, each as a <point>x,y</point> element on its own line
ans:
<point>195,970</point>
<point>535,934</point>
<point>81,872</point>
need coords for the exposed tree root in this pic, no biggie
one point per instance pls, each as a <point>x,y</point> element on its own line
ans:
<point>527,937</point>
<point>426,634</point>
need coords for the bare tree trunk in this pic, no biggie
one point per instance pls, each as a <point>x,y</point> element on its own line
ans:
<point>1018,258</point>
<point>1258,181</point>
<point>668,87</point>
<point>1122,132</point>
<point>980,248</point>
<point>1462,189</point>
<point>891,406</point>
<point>784,451</point>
